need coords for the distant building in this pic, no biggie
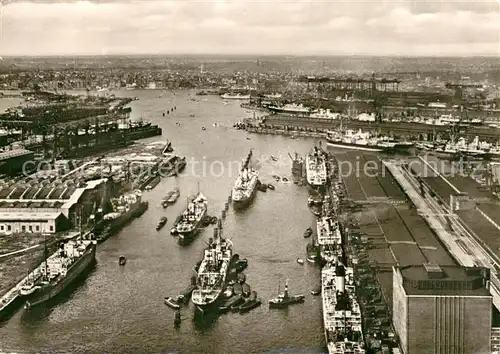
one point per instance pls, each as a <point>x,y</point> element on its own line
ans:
<point>439,310</point>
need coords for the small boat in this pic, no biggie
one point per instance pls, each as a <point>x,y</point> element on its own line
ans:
<point>241,278</point>
<point>174,196</point>
<point>308,232</point>
<point>203,128</point>
<point>228,292</point>
<point>274,158</point>
<point>246,289</point>
<point>172,303</point>
<point>316,291</point>
<point>247,305</point>
<point>161,223</point>
<point>284,299</point>
<point>240,265</point>
<point>250,305</point>
<point>122,260</point>
<point>177,319</point>
<point>270,186</point>
<point>262,187</point>
<point>236,305</point>
<point>277,178</point>
<point>300,261</point>
<point>237,289</point>
<point>284,179</point>
<point>235,300</point>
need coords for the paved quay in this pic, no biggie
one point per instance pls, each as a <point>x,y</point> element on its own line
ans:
<point>397,233</point>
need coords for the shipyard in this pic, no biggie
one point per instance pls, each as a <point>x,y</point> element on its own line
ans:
<point>249,203</point>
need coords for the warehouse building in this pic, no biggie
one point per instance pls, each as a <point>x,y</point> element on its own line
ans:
<point>438,310</point>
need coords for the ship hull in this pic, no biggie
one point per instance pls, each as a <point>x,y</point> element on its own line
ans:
<point>348,146</point>
<point>51,291</point>
<point>244,201</point>
<point>119,223</point>
<point>188,236</point>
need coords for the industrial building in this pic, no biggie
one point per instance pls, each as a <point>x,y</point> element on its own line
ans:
<point>442,310</point>
<point>48,206</point>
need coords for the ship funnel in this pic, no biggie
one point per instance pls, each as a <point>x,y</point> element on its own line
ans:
<point>340,278</point>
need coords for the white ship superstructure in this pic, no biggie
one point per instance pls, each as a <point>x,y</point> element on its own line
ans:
<point>212,272</point>
<point>341,311</point>
<point>292,108</point>
<point>235,96</point>
<point>316,168</point>
<point>245,186</point>
<point>329,239</point>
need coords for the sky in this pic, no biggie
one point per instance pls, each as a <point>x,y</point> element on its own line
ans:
<point>293,27</point>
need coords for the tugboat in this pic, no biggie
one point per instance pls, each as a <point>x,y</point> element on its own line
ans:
<point>308,232</point>
<point>161,223</point>
<point>284,299</point>
<point>122,260</point>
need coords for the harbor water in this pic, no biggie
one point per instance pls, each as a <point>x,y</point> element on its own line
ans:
<point>120,309</point>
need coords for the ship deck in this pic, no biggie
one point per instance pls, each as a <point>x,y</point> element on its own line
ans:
<point>398,235</point>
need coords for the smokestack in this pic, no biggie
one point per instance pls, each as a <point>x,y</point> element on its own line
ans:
<point>340,278</point>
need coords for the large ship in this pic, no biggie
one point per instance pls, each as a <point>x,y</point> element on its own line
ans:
<point>246,184</point>
<point>359,140</point>
<point>341,311</point>
<point>125,208</point>
<point>59,271</point>
<point>212,273</point>
<point>316,173</point>
<point>235,96</point>
<point>329,239</point>
<point>190,221</point>
<point>245,187</point>
<point>294,109</point>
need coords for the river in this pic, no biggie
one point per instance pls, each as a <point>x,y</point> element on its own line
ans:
<point>120,309</point>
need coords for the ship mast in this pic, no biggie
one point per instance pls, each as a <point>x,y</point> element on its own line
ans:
<point>45,254</point>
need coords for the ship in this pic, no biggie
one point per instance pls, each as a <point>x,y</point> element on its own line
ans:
<point>191,220</point>
<point>60,270</point>
<point>341,311</point>
<point>293,109</point>
<point>272,95</point>
<point>329,239</point>
<point>125,208</point>
<point>172,165</point>
<point>284,299</point>
<point>174,196</point>
<point>297,169</point>
<point>316,173</point>
<point>357,141</point>
<point>245,185</point>
<point>235,96</point>
<point>212,273</point>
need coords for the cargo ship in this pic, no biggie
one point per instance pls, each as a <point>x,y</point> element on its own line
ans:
<point>329,239</point>
<point>235,96</point>
<point>360,140</point>
<point>292,109</point>
<point>341,311</point>
<point>245,185</point>
<point>125,208</point>
<point>191,220</point>
<point>316,173</point>
<point>59,271</point>
<point>212,273</point>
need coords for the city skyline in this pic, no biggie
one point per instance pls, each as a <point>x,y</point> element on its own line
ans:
<point>395,28</point>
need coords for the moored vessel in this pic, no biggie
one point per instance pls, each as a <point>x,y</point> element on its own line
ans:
<point>235,96</point>
<point>60,270</point>
<point>341,311</point>
<point>245,185</point>
<point>191,219</point>
<point>316,172</point>
<point>212,273</point>
<point>329,239</point>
